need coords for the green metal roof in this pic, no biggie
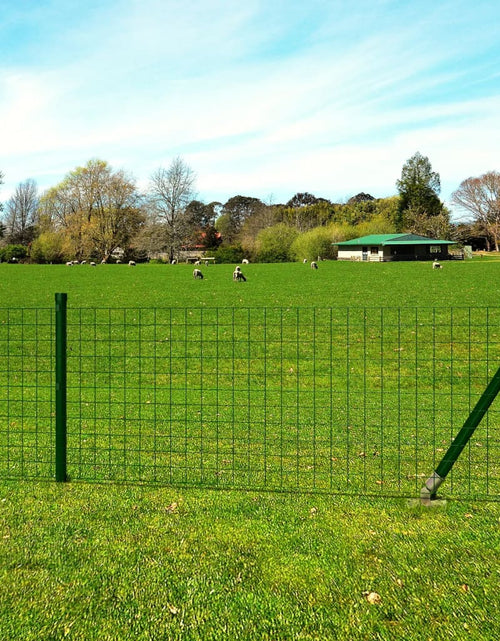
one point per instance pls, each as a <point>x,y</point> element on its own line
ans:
<point>394,239</point>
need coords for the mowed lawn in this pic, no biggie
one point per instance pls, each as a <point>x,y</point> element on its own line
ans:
<point>129,561</point>
<point>336,284</point>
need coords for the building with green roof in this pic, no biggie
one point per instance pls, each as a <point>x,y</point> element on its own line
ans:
<point>387,247</point>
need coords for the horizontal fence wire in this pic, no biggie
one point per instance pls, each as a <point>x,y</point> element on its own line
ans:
<point>26,393</point>
<point>338,400</point>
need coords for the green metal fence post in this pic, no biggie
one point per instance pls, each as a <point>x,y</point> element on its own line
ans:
<point>488,396</point>
<point>61,428</point>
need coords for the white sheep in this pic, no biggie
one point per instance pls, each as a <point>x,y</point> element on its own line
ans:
<point>131,263</point>
<point>436,264</point>
<point>197,262</point>
<point>305,261</point>
<point>84,262</point>
<point>314,265</point>
<point>245,261</point>
<point>92,264</point>
<point>173,262</point>
<point>197,274</point>
<point>69,263</point>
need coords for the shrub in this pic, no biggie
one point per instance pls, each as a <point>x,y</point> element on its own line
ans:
<point>48,248</point>
<point>10,252</point>
<point>273,243</point>
<point>228,254</point>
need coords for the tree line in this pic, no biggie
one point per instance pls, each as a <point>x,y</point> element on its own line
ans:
<point>96,210</point>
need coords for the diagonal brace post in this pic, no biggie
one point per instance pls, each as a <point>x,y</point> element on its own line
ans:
<point>460,441</point>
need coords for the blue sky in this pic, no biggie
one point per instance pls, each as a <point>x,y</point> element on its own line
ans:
<point>262,98</point>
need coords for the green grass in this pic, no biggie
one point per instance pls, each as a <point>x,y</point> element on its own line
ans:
<point>344,284</point>
<point>130,561</point>
<point>123,562</point>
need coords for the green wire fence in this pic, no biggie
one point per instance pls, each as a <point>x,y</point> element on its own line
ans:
<point>338,400</point>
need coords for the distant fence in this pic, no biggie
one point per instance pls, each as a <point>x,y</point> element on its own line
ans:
<point>337,400</point>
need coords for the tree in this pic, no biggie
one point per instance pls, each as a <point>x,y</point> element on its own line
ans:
<point>273,244</point>
<point>360,198</point>
<point>480,197</point>
<point>21,213</point>
<point>98,210</point>
<point>302,199</point>
<point>48,247</point>
<point>318,242</point>
<point>171,191</point>
<point>234,213</point>
<point>202,218</point>
<point>419,189</point>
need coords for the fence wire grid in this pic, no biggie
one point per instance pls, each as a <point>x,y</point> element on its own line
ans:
<point>338,400</point>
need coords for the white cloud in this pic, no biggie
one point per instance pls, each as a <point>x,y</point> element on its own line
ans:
<point>337,113</point>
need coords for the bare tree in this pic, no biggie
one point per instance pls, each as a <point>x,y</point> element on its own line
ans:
<point>21,212</point>
<point>480,197</point>
<point>171,191</point>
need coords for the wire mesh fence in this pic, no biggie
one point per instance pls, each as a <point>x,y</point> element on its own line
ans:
<point>351,400</point>
<point>27,392</point>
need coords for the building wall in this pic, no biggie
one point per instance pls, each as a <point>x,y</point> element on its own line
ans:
<point>388,252</point>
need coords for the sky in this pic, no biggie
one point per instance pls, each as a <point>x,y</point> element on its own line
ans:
<point>262,98</point>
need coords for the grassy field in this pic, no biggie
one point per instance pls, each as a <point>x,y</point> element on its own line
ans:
<point>128,561</point>
<point>344,284</point>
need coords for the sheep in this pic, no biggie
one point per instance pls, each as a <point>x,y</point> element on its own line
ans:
<point>197,262</point>
<point>314,265</point>
<point>84,262</point>
<point>118,261</point>
<point>238,275</point>
<point>69,263</point>
<point>245,261</point>
<point>207,263</point>
<point>197,274</point>
<point>305,261</point>
<point>436,264</point>
<point>92,264</point>
<point>173,262</point>
<point>131,263</point>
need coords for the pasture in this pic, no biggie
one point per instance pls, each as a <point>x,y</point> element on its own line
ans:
<point>335,284</point>
<point>101,561</point>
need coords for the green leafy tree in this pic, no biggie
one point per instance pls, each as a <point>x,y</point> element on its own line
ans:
<point>273,244</point>
<point>233,214</point>
<point>202,221</point>
<point>13,253</point>
<point>418,188</point>
<point>228,254</point>
<point>96,208</point>
<point>302,199</point>
<point>48,247</point>
<point>318,242</point>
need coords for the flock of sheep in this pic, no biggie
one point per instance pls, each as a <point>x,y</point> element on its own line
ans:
<point>238,275</point>
<point>198,274</point>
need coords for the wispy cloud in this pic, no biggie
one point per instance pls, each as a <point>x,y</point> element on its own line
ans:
<point>265,98</point>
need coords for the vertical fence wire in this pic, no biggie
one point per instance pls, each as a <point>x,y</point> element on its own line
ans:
<point>357,400</point>
<point>27,424</point>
